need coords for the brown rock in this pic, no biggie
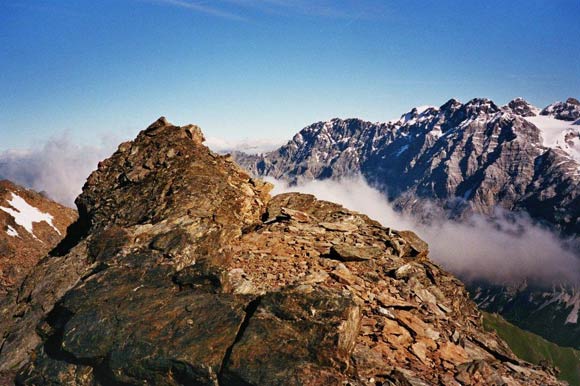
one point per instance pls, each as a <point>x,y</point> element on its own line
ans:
<point>415,324</point>
<point>344,252</point>
<point>418,247</point>
<point>396,334</point>
<point>291,330</point>
<point>452,353</point>
<point>174,276</point>
<point>340,227</point>
<point>342,274</point>
<point>21,248</point>
<point>387,300</point>
<point>296,215</point>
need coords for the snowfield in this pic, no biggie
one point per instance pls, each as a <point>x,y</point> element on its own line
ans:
<point>554,133</point>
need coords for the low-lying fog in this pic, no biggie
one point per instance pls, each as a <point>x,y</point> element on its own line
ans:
<point>475,249</point>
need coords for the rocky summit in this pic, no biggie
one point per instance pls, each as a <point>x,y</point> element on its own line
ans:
<point>566,111</point>
<point>182,270</point>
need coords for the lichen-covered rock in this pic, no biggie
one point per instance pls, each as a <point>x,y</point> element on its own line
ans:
<point>183,270</point>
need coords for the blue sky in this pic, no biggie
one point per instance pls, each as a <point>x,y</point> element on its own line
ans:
<point>266,68</point>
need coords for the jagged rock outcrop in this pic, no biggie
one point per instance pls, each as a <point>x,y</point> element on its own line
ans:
<point>30,226</point>
<point>521,107</point>
<point>566,111</point>
<point>182,270</point>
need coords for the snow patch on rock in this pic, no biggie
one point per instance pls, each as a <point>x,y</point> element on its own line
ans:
<point>12,232</point>
<point>573,317</point>
<point>26,215</point>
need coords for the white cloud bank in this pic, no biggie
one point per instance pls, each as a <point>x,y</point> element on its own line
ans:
<point>58,167</point>
<point>248,146</point>
<point>499,252</point>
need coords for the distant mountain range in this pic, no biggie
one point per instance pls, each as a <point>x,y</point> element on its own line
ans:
<point>470,157</point>
<point>182,269</point>
<point>465,158</point>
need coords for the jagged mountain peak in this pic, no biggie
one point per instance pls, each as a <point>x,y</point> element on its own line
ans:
<point>335,130</point>
<point>521,107</point>
<point>160,122</point>
<point>184,251</point>
<point>446,153</point>
<point>162,125</point>
<point>451,104</point>
<point>478,106</point>
<point>453,109</point>
<point>416,115</point>
<point>161,172</point>
<point>422,109</point>
<point>479,101</point>
<point>566,111</point>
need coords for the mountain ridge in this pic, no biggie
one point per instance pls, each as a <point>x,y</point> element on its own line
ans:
<point>178,249</point>
<point>455,151</point>
<point>444,154</point>
<point>452,162</point>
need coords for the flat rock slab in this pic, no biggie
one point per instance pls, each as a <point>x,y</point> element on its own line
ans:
<point>294,339</point>
<point>345,252</point>
<point>339,226</point>
<point>141,330</point>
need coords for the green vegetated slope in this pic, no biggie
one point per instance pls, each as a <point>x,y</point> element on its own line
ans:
<point>535,349</point>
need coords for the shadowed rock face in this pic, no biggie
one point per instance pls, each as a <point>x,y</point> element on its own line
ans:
<point>521,107</point>
<point>182,270</point>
